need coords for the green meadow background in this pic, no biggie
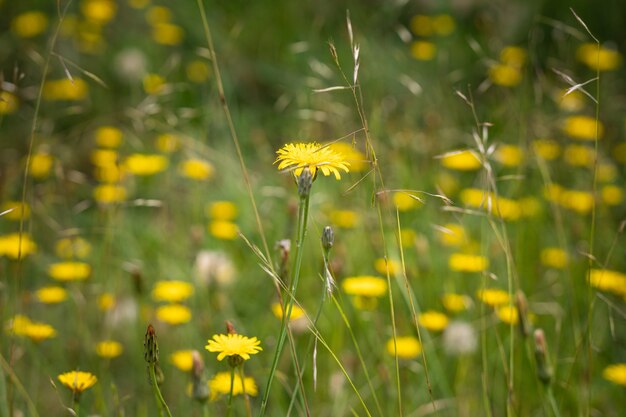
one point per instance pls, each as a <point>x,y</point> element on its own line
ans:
<point>478,258</point>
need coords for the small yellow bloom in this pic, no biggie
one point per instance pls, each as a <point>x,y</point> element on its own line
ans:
<point>233,345</point>
<point>382,266</point>
<point>508,314</point>
<point>357,159</point>
<point>296,312</point>
<point>145,164</point>
<point>615,373</point>
<point>78,381</point>
<point>583,128</point>
<point>182,359</point>
<point>455,302</point>
<point>197,169</point>
<point>104,157</point>
<point>554,258</point>
<point>167,34</point>
<point>423,50</point>
<point>223,230</point>
<point>220,384</point>
<point>51,294</point>
<point>72,247</point>
<point>106,301</point>
<point>433,320</point>
<point>421,25</point>
<point>167,143</point>
<point>493,297</point>
<point>612,195</point>
<point>109,349</point>
<point>172,291</point>
<point>572,102</point>
<point>467,263</point>
<point>40,165</point>
<point>598,58</point>
<point>158,14</point>
<point>98,12</point>
<point>297,156</point>
<point>452,234</point>
<point>466,160</point>
<point>443,24</point>
<point>222,210</point>
<point>546,149</point>
<point>408,238</point>
<point>29,24</point>
<point>65,90</point>
<point>38,332</point>
<point>579,155</point>
<point>173,314</point>
<point>608,280</point>
<point>109,193</point>
<point>509,155</point>
<point>153,84</point>
<point>513,56</point>
<point>15,246</point>
<point>8,102</point>
<point>109,137</point>
<point>505,75</point>
<point>502,207</point>
<point>406,347</point>
<point>365,286</point>
<point>18,325</point>
<point>18,210</point>
<point>405,201</point>
<point>579,201</point>
<point>69,271</point>
<point>346,219</point>
<point>197,71</point>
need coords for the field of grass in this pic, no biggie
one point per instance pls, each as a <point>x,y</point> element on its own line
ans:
<point>275,208</point>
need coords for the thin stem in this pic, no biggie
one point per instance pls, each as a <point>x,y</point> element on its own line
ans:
<point>243,390</point>
<point>232,388</point>
<point>157,391</point>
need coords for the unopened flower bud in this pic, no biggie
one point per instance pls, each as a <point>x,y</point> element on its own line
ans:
<point>544,369</point>
<point>150,346</point>
<point>522,311</point>
<point>305,180</point>
<point>328,238</point>
<point>230,329</point>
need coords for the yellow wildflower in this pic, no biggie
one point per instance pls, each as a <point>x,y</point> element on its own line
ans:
<point>423,50</point>
<point>72,247</point>
<point>173,314</point>
<point>365,286</point>
<point>508,314</point>
<point>69,271</point>
<point>65,90</point>
<point>296,312</point>
<point>570,102</point>
<point>145,164</point>
<point>382,266</point>
<point>502,207</point>
<point>447,183</point>
<point>505,75</point>
<point>15,210</point>
<point>405,201</point>
<point>40,165</point>
<point>579,201</point>
<point>167,143</point>
<point>598,58</point>
<point>607,172</point>
<point>38,332</point>
<point>443,24</point>
<point>233,345</point>
<point>466,160</point>
<point>29,24</point>
<point>579,155</point>
<point>197,169</point>
<point>406,347</point>
<point>51,294</point>
<point>583,127</point>
<point>608,280</point>
<point>297,156</point>
<point>433,320</point>
<point>172,291</point>
<point>153,84</point>
<point>104,157</point>
<point>554,258</point>
<point>8,102</point>
<point>509,155</point>
<point>108,137</point>
<point>18,325</point>
<point>547,149</point>
<point>615,373</point>
<point>346,219</point>
<point>197,71</point>
<point>109,349</point>
<point>222,210</point>
<point>493,297</point>
<point>452,234</point>
<point>99,12</point>
<point>223,230</point>
<point>15,246</point>
<point>357,159</point>
<point>408,238</point>
<point>612,195</point>
<point>182,359</point>
<point>158,14</point>
<point>109,193</point>
<point>421,25</point>
<point>167,33</point>
<point>455,302</point>
<point>106,301</point>
<point>78,381</point>
<point>513,56</point>
<point>220,385</point>
<point>467,263</point>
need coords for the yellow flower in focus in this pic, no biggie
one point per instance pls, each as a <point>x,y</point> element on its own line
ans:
<point>466,160</point>
<point>296,312</point>
<point>233,345</point>
<point>297,156</point>
<point>172,291</point>
<point>508,314</point>
<point>615,373</point>
<point>29,24</point>
<point>554,258</point>
<point>546,149</point>
<point>167,34</point>
<point>579,155</point>
<point>452,234</point>
<point>109,349</point>
<point>182,359</point>
<point>433,320</point>
<point>153,84</point>
<point>580,201</point>
<point>598,58</point>
<point>222,210</point>
<point>513,56</point>
<point>405,201</point>
<point>608,280</point>
<point>346,219</point>
<point>173,314</point>
<point>365,286</point>
<point>106,301</point>
<point>467,263</point>
<point>108,193</point>
<point>15,246</point>
<point>18,210</point>
<point>423,50</point>
<point>505,75</point>
<point>69,271</point>
<point>40,165</point>
<point>443,24</point>
<point>65,90</point>
<point>78,381</point>
<point>72,247</point>
<point>421,25</point>
<point>198,71</point>
<point>108,137</point>
<point>612,195</point>
<point>8,102</point>
<point>98,11</point>
<point>509,155</point>
<point>167,143</point>
<point>38,332</point>
<point>493,297</point>
<point>220,385</point>
<point>406,347</point>
<point>583,127</point>
<point>223,230</point>
<point>51,294</point>
<point>455,302</point>
<point>197,169</point>
<point>145,164</point>
<point>158,14</point>
<point>382,265</point>
<point>357,159</point>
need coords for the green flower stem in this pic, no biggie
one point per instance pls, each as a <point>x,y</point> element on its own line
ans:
<point>243,390</point>
<point>232,388</point>
<point>303,214</point>
<point>76,403</point>
<point>157,392</point>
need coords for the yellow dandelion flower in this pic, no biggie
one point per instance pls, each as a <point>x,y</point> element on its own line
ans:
<point>173,314</point>
<point>297,156</point>
<point>421,25</point>
<point>104,157</point>
<point>513,56</point>
<point>51,294</point>
<point>233,345</point>
<point>69,271</point>
<point>109,193</point>
<point>365,286</point>
<point>346,219</point>
<point>406,347</point>
<point>145,164</point>
<point>612,195</point>
<point>98,11</point>
<point>502,207</point>
<point>167,34</point>
<point>382,265</point>
<point>462,262</point>
<point>452,234</point>
<point>546,149</point>
<point>579,155</point>
<point>608,280</point>
<point>65,90</point>
<point>108,137</point>
<point>405,201</point>
<point>40,165</point>
<point>18,325</point>
<point>447,183</point>
<point>615,373</point>
<point>466,160</point>
<point>220,385</point>
<point>109,349</point>
<point>579,201</point>
<point>172,291</point>
<point>158,14</point>
<point>38,332</point>
<point>197,169</point>
<point>455,302</point>
<point>553,192</point>
<point>357,159</point>
<point>423,50</point>
<point>508,314</point>
<point>167,143</point>
<point>509,155</point>
<point>16,246</point>
<point>106,301</point>
<point>29,24</point>
<point>296,311</point>
<point>408,238</point>
<point>78,381</point>
<point>554,258</point>
<point>8,102</point>
<point>529,206</point>
<point>433,320</point>
<point>15,210</point>
<point>602,59</point>
<point>153,84</point>
<point>72,247</point>
<point>182,359</point>
<point>570,102</point>
<point>493,297</point>
<point>583,128</point>
<point>443,24</point>
<point>198,71</point>
<point>222,210</point>
<point>223,230</point>
<point>505,75</point>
